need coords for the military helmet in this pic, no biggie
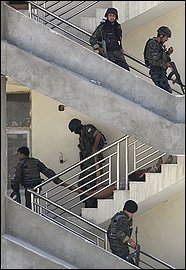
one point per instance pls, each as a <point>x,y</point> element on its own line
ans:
<point>112,11</point>
<point>165,31</point>
<point>74,123</point>
<point>131,206</point>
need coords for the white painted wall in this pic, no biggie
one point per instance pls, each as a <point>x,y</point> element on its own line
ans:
<point>156,227</point>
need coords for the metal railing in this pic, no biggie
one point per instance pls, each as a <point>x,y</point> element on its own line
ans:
<point>33,13</point>
<point>99,179</point>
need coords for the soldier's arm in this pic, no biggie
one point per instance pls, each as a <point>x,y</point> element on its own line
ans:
<point>123,232</point>
<point>154,56</point>
<point>98,138</point>
<point>96,38</point>
<point>48,172</point>
<point>122,229</point>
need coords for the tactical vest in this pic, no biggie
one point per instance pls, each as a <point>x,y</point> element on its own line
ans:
<point>162,51</point>
<point>30,173</point>
<point>112,36</point>
<point>87,140</point>
<point>112,229</point>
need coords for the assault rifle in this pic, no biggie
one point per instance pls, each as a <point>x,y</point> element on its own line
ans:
<point>177,75</point>
<point>136,253</point>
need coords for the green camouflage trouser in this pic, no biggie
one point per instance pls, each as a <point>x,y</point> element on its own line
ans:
<point>118,58</point>
<point>160,79</point>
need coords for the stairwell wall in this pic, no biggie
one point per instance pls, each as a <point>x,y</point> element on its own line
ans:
<point>161,231</point>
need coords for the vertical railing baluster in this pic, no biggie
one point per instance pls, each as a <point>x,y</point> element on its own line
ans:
<point>118,164</point>
<point>134,154</point>
<point>110,170</point>
<point>126,164</point>
<point>30,10</point>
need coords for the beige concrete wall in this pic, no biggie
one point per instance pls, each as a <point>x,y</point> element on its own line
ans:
<point>134,41</point>
<point>50,133</point>
<point>162,231</point>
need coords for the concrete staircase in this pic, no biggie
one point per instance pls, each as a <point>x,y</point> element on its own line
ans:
<point>58,67</point>
<point>53,61</point>
<point>156,188</point>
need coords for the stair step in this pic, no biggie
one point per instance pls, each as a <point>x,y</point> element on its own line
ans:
<point>156,187</point>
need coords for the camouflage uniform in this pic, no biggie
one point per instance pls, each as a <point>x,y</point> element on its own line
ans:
<point>27,173</point>
<point>108,37</point>
<point>86,142</point>
<point>157,57</point>
<point>119,231</point>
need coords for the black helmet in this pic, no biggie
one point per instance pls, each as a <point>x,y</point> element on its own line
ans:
<point>74,123</point>
<point>165,31</point>
<point>131,206</point>
<point>112,11</point>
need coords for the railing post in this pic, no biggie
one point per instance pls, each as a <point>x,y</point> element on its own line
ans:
<point>118,164</point>
<point>110,170</point>
<point>106,242</point>
<point>32,202</point>
<point>38,202</point>
<point>134,155</point>
<point>30,10</point>
<point>44,6</point>
<point>126,163</point>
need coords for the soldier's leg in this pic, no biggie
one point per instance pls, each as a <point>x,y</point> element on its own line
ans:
<point>91,203</point>
<point>161,80</point>
<point>123,64</point>
<point>118,58</point>
<point>121,61</point>
<point>28,199</point>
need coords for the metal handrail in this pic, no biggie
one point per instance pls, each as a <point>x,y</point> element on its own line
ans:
<point>89,34</point>
<point>57,17</point>
<point>105,177</point>
<point>37,208</point>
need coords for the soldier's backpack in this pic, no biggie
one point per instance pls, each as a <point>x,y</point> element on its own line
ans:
<point>145,54</point>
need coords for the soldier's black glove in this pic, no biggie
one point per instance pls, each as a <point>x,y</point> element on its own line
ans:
<point>57,181</point>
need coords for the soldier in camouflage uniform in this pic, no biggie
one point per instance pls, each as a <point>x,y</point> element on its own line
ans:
<point>107,39</point>
<point>120,230</point>
<point>91,140</point>
<point>157,58</point>
<point>27,173</point>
